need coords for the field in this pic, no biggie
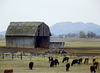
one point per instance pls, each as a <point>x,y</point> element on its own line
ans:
<point>81,46</point>
<point>73,42</point>
<point>82,42</point>
<point>41,65</point>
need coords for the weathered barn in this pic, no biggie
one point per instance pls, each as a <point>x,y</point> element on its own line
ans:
<point>56,42</point>
<point>28,35</point>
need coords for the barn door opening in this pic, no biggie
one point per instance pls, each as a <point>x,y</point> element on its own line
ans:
<point>42,42</point>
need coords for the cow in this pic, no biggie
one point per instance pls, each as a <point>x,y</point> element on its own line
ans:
<point>31,65</point>
<point>75,61</point>
<point>94,60</point>
<point>8,71</point>
<point>86,60</point>
<point>80,60</point>
<point>67,66</point>
<point>96,64</point>
<point>54,63</point>
<point>65,59</point>
<point>50,59</point>
<point>92,69</point>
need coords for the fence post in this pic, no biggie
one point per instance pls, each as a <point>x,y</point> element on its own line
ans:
<point>30,56</point>
<point>21,56</point>
<point>12,55</point>
<point>3,56</point>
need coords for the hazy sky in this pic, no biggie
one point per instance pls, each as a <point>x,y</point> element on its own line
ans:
<point>49,11</point>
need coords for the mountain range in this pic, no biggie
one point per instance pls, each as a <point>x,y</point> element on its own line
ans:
<point>69,27</point>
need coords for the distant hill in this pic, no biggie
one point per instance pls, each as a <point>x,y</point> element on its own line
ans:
<point>69,27</point>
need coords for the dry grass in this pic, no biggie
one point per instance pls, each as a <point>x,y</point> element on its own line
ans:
<point>41,65</point>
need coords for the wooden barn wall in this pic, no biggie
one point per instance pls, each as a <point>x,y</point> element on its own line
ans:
<point>56,44</point>
<point>22,42</point>
<point>44,30</point>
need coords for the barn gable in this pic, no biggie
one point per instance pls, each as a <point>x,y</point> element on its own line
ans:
<point>28,35</point>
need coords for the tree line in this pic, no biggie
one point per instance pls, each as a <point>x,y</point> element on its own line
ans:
<point>81,34</point>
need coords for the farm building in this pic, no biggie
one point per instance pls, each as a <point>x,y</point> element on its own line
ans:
<point>56,42</point>
<point>28,35</point>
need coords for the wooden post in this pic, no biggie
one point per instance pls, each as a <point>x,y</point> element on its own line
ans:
<point>3,56</point>
<point>12,55</point>
<point>21,56</point>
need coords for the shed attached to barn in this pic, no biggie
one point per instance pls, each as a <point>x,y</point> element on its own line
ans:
<point>56,42</point>
<point>28,35</point>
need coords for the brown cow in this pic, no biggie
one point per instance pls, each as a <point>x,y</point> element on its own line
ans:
<point>8,71</point>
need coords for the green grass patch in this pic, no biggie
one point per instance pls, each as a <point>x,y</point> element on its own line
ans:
<point>82,44</point>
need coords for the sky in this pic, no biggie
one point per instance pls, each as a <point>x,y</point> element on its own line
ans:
<point>49,11</point>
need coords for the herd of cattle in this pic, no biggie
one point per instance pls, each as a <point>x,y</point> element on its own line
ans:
<point>55,62</point>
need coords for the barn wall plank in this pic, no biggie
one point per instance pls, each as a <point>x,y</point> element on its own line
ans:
<point>23,42</point>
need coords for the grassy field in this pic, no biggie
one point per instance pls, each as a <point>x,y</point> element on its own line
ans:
<point>41,65</point>
<point>74,45</point>
<point>82,42</point>
<point>2,41</point>
<point>73,42</point>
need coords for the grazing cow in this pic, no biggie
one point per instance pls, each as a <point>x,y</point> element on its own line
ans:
<point>86,60</point>
<point>80,60</point>
<point>75,61</point>
<point>8,71</point>
<point>96,64</point>
<point>50,59</point>
<point>65,59</point>
<point>67,66</point>
<point>92,69</point>
<point>94,60</point>
<point>31,65</point>
<point>54,62</point>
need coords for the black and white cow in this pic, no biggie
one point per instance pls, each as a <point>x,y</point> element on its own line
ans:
<point>75,61</point>
<point>86,60</point>
<point>54,63</point>
<point>50,59</point>
<point>65,59</point>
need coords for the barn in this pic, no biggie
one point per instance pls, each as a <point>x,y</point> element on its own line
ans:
<point>56,42</point>
<point>28,35</point>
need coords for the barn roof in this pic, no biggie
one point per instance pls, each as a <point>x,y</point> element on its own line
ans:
<point>56,39</point>
<point>22,28</point>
